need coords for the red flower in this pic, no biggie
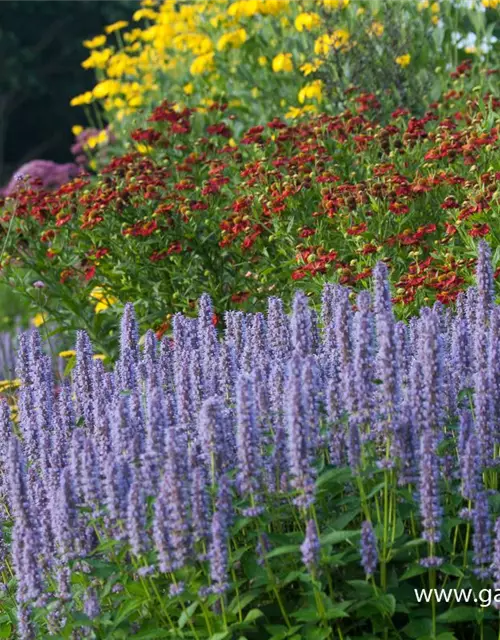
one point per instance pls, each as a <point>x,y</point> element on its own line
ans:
<point>399,208</point>
<point>240,297</point>
<point>479,230</point>
<point>90,273</point>
<point>307,232</point>
<point>357,229</point>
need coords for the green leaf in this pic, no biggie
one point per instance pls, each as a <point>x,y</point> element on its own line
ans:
<point>414,570</point>
<point>336,612</point>
<point>187,614</point>
<point>306,614</point>
<point>253,614</point>
<point>238,604</point>
<point>418,627</point>
<point>220,636</point>
<point>459,614</point>
<point>334,537</point>
<point>334,476</point>
<point>363,589</point>
<point>316,634</point>
<point>280,551</point>
<point>291,577</point>
<point>5,630</point>
<point>385,604</point>
<point>450,570</point>
<point>151,635</point>
<point>126,609</point>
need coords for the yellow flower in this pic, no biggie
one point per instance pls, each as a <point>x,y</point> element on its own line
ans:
<point>311,91</point>
<point>233,39</point>
<point>338,40</point>
<point>376,29</point>
<point>307,68</point>
<point>98,41</point>
<point>135,101</point>
<point>255,92</point>
<point>283,62</point>
<point>201,64</point>
<point>104,300</point>
<point>67,354</point>
<point>144,149</point>
<point>470,49</point>
<point>83,98</point>
<point>232,142</point>
<point>435,19</point>
<point>97,59</point>
<point>99,139</point>
<point>38,320</point>
<point>9,384</point>
<point>335,4</point>
<point>106,88</point>
<point>99,356</point>
<point>116,26</point>
<point>296,112</point>
<point>273,7</point>
<point>188,88</point>
<point>243,9</point>
<point>490,4</point>
<point>144,13</point>
<point>404,60</point>
<point>435,7</point>
<point>307,21</point>
<point>424,4</point>
<point>76,129</point>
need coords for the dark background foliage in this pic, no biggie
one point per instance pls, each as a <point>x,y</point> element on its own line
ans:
<point>40,71</point>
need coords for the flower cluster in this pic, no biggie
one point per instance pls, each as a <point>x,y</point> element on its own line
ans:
<point>293,56</point>
<point>190,208</point>
<point>182,474</point>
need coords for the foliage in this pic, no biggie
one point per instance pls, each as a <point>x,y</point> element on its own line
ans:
<point>188,209</point>
<point>303,488</point>
<point>270,58</point>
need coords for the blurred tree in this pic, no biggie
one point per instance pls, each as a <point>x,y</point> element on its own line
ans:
<point>40,71</point>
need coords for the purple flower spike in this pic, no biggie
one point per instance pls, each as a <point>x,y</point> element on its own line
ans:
<point>136,518</point>
<point>369,554</point>
<point>301,324</point>
<point>430,507</point>
<point>310,548</point>
<point>247,438</point>
<point>279,330</point>
<point>481,537</point>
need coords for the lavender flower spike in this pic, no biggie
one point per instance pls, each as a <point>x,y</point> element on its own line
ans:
<point>310,548</point>
<point>369,554</point>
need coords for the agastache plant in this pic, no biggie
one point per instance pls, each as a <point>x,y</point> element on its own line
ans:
<point>279,457</point>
